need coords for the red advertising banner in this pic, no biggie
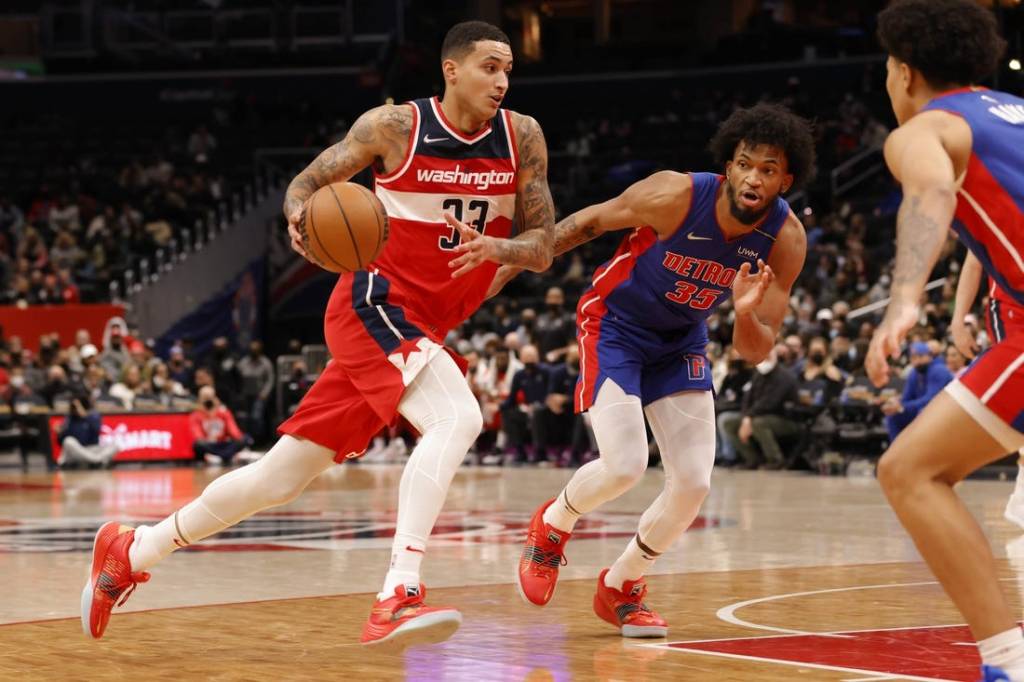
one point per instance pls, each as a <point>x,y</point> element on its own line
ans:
<point>32,322</point>
<point>140,436</point>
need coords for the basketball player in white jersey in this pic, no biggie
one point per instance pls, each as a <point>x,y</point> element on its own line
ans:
<point>437,163</point>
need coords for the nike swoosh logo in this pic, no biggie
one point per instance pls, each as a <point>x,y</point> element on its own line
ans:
<point>427,139</point>
<point>691,235</point>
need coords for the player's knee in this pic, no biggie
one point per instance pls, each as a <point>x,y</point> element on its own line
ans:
<point>282,490</point>
<point>463,423</point>
<point>626,470</point>
<point>895,474</point>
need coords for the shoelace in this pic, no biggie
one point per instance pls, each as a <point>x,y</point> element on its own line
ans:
<point>541,558</point>
<point>412,602</point>
<point>636,604</point>
<point>136,578</point>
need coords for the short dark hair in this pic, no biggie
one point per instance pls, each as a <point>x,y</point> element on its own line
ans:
<point>771,124</point>
<point>461,37</point>
<point>951,42</point>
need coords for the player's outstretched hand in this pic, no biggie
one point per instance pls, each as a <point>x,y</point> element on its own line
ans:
<point>297,230</point>
<point>748,290</point>
<point>888,341</point>
<point>474,247</point>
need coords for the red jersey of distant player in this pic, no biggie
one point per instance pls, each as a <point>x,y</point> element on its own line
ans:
<point>384,324</point>
<point>1004,316</point>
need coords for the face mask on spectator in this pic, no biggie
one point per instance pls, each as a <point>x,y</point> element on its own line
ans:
<point>17,381</point>
<point>766,365</point>
<point>817,357</point>
<point>530,366</point>
<point>208,404</point>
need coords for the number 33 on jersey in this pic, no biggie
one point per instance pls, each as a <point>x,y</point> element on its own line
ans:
<point>473,177</point>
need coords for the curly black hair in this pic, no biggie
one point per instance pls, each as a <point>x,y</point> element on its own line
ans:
<point>460,38</point>
<point>771,124</point>
<point>951,42</point>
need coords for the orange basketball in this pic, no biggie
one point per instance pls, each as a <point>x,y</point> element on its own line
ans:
<point>346,227</point>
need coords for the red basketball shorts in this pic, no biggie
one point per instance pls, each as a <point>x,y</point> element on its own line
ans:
<point>377,350</point>
<point>992,391</point>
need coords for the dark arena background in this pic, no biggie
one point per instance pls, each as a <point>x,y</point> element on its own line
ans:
<point>148,290</point>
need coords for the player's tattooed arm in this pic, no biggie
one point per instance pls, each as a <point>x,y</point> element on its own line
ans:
<point>659,201</point>
<point>919,159</point>
<point>531,248</point>
<point>379,135</point>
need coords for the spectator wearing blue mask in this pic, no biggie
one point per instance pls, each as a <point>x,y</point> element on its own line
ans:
<point>928,376</point>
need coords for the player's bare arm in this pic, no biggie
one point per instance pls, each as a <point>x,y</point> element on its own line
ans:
<point>967,287</point>
<point>918,158</point>
<point>381,136</point>
<point>659,201</point>
<point>531,249</point>
<point>760,300</point>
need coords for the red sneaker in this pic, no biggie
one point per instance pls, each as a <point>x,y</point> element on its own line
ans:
<point>404,620</point>
<point>543,554</point>
<point>626,610</point>
<point>109,577</point>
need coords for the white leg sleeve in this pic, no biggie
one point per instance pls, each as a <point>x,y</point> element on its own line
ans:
<point>684,426</point>
<point>441,406</point>
<point>618,422</point>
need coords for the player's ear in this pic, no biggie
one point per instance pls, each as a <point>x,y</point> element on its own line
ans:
<point>787,182</point>
<point>728,167</point>
<point>906,76</point>
<point>450,68</point>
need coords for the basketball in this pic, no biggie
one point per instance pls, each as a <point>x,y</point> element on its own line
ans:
<point>346,227</point>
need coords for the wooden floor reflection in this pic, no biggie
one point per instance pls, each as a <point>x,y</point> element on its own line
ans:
<point>784,577</point>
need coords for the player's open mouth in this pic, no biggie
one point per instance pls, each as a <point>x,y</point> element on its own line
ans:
<point>496,100</point>
<point>748,198</point>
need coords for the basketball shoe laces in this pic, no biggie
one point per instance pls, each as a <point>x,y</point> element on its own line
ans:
<point>544,554</point>
<point>633,606</point>
<point>113,589</point>
<point>413,602</point>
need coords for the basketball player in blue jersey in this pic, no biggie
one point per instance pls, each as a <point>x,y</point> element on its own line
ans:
<point>694,240</point>
<point>959,154</point>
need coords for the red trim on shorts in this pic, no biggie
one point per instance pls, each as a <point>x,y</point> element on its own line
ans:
<point>607,278</point>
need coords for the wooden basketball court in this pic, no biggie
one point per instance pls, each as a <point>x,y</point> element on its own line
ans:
<point>783,577</point>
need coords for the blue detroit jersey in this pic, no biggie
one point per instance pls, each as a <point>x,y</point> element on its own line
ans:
<point>676,283</point>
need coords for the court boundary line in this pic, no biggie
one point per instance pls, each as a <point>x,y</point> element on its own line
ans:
<point>867,674</point>
<point>727,613</point>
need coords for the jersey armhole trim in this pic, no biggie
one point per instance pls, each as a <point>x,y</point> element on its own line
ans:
<point>414,135</point>
<point>510,135</point>
<point>689,209</point>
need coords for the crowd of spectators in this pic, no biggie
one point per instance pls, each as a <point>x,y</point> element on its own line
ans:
<point>66,243</point>
<point>791,410</point>
<point>122,373</point>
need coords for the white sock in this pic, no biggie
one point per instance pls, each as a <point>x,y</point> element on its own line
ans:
<point>1006,651</point>
<point>275,479</point>
<point>406,556</point>
<point>631,564</point>
<point>561,514</point>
